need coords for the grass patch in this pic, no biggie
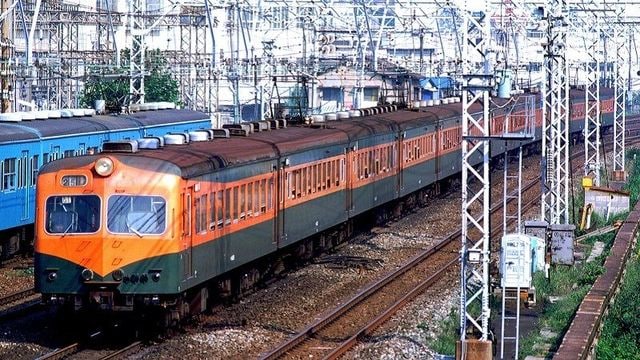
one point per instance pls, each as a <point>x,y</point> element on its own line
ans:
<point>445,340</point>
<point>620,337</point>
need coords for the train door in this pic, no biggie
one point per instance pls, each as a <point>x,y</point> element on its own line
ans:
<point>188,224</point>
<point>349,166</point>
<point>397,154</point>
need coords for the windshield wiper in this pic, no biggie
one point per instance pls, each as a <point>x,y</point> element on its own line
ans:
<point>135,231</point>
<point>67,229</point>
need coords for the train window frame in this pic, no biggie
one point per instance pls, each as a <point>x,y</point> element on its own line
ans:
<point>212,211</point>
<point>235,201</point>
<point>201,203</point>
<point>242,205</point>
<point>67,232</point>
<point>250,199</point>
<point>186,198</point>
<point>35,168</point>
<point>227,206</point>
<point>220,209</point>
<point>270,198</point>
<point>9,176</point>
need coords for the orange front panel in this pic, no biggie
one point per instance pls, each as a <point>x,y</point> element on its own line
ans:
<point>104,251</point>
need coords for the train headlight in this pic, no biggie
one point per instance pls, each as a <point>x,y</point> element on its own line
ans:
<point>155,275</point>
<point>117,275</point>
<point>52,276</point>
<point>104,166</point>
<point>87,274</point>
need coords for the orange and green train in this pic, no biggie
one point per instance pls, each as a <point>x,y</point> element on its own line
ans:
<point>168,221</point>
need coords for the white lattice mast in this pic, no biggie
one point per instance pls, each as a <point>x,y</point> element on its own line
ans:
<point>555,118</point>
<point>621,37</point>
<point>477,78</point>
<point>137,9</point>
<point>592,95</point>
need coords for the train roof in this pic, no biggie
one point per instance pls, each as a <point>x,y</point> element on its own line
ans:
<point>198,158</point>
<point>26,130</point>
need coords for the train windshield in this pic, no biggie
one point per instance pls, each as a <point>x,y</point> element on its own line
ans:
<point>73,214</point>
<point>135,214</point>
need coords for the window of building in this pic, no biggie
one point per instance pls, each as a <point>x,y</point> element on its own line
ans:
<point>279,17</point>
<point>332,94</point>
<point>370,94</point>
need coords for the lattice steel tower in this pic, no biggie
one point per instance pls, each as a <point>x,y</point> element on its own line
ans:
<point>477,83</point>
<point>555,118</point>
<point>137,10</point>
<point>621,38</point>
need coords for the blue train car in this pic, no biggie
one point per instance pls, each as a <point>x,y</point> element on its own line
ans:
<point>26,145</point>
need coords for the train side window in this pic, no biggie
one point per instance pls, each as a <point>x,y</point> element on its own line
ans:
<point>20,173</point>
<point>250,199</point>
<point>256,197</point>
<point>341,170</point>
<point>235,207</point>
<point>298,183</point>
<point>326,178</point>
<point>69,153</point>
<point>55,153</point>
<point>9,174</point>
<point>201,214</point>
<point>291,186</point>
<point>34,169</point>
<point>270,194</point>
<point>212,211</point>
<point>220,209</point>
<point>243,199</point>
<point>308,181</point>
<point>227,206</point>
<point>263,195</point>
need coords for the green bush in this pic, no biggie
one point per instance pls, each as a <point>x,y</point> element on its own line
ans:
<point>445,340</point>
<point>590,272</point>
<point>621,331</point>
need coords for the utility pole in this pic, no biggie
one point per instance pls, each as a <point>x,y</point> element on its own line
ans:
<point>233,59</point>
<point>592,100</point>
<point>475,251</point>
<point>555,118</point>
<point>137,10</point>
<point>621,35</point>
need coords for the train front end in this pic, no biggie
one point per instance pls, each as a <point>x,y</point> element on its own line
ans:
<point>106,233</point>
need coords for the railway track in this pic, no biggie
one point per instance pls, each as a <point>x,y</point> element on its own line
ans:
<point>18,304</point>
<point>17,296</point>
<point>340,330</point>
<point>77,349</point>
